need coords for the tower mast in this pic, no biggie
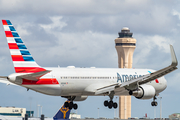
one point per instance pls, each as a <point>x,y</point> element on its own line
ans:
<point>125,46</point>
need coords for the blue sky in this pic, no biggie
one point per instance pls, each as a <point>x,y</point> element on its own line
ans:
<point>82,33</point>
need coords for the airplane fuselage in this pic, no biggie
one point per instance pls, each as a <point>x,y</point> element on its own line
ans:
<point>85,81</point>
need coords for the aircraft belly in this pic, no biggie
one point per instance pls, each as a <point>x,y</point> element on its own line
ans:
<point>72,87</point>
<point>53,90</point>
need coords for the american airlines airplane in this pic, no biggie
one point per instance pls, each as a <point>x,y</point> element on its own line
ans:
<point>76,84</point>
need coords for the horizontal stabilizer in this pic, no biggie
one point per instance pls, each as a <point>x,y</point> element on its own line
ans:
<point>28,76</point>
<point>33,76</point>
<point>3,79</point>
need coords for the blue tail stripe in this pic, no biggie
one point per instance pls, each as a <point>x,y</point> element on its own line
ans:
<point>8,22</point>
<point>28,58</point>
<point>18,40</point>
<point>21,46</point>
<point>15,34</point>
<point>12,28</point>
<point>24,52</point>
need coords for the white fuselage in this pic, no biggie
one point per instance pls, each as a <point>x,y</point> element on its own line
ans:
<point>85,81</point>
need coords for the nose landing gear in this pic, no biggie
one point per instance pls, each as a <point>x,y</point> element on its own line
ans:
<point>110,104</point>
<point>154,103</point>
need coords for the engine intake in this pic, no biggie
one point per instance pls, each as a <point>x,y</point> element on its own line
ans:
<point>144,92</point>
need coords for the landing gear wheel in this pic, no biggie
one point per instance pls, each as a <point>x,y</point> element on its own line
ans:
<point>115,105</point>
<point>154,103</point>
<point>110,105</point>
<point>106,103</point>
<point>70,105</point>
<point>75,106</point>
<point>66,104</point>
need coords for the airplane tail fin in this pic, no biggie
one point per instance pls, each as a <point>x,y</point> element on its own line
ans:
<point>22,59</point>
<point>62,114</point>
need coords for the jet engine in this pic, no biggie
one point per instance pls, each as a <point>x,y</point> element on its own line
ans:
<point>144,92</point>
<point>80,98</point>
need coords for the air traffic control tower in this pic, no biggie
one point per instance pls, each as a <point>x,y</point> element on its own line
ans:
<point>125,45</point>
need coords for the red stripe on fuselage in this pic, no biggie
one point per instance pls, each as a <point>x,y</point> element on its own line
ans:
<point>4,22</point>
<point>43,81</point>
<point>28,69</point>
<point>8,34</point>
<point>13,46</point>
<point>17,57</point>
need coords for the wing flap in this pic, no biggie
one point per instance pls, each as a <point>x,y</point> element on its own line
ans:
<point>106,89</point>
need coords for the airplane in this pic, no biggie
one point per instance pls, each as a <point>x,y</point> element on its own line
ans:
<point>76,84</point>
<point>63,113</point>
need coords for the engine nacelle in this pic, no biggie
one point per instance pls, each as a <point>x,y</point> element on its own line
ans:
<point>144,92</point>
<point>80,98</point>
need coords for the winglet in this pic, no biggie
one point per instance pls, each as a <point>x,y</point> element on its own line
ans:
<point>173,56</point>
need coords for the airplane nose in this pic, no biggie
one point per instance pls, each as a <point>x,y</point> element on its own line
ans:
<point>163,84</point>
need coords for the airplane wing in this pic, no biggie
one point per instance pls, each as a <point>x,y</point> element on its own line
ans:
<point>132,84</point>
<point>154,75</point>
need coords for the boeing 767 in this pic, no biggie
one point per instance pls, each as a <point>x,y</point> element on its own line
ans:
<point>76,84</point>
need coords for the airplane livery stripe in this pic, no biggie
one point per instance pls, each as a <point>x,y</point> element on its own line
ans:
<point>18,40</point>
<point>22,59</point>
<point>21,46</point>
<point>28,69</point>
<point>12,28</point>
<point>13,46</point>
<point>8,34</point>
<point>11,40</point>
<point>24,52</point>
<point>8,22</point>
<point>15,52</point>
<point>28,58</point>
<point>4,22</point>
<point>15,34</point>
<point>17,58</point>
<point>6,28</point>
<point>44,81</point>
<point>25,63</point>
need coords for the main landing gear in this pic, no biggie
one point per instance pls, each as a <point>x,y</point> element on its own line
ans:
<point>154,103</point>
<point>111,104</point>
<point>70,103</point>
